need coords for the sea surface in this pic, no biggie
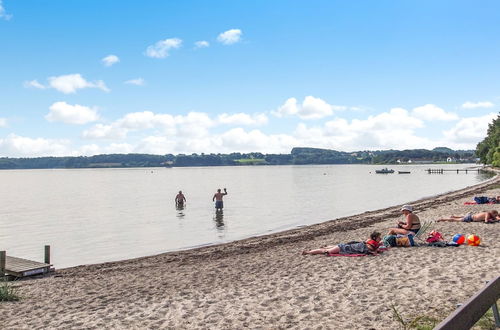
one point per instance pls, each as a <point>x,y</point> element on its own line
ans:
<point>96,215</point>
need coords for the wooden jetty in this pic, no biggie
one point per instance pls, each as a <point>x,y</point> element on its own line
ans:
<point>20,267</point>
<point>441,171</point>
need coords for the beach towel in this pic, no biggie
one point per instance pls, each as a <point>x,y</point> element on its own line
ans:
<point>474,203</point>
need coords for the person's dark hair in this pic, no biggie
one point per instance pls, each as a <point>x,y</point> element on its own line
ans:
<point>374,235</point>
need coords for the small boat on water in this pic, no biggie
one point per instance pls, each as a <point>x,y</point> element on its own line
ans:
<point>404,172</point>
<point>384,171</point>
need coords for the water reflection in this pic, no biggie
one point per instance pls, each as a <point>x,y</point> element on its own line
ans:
<point>180,211</point>
<point>219,219</point>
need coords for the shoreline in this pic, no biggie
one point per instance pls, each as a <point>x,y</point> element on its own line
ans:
<point>265,282</point>
<point>306,232</point>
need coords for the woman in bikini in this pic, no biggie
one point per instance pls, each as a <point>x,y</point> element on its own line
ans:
<point>410,226</point>
<point>370,246</point>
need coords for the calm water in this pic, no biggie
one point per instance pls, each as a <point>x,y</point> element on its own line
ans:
<point>97,215</point>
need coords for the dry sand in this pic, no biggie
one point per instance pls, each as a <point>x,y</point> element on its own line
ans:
<point>265,282</point>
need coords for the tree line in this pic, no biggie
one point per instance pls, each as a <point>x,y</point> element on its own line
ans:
<point>488,150</point>
<point>297,156</point>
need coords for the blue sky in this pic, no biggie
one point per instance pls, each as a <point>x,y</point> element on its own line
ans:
<point>87,77</point>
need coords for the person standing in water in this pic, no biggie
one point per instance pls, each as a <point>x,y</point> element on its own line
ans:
<point>180,199</point>
<point>219,204</point>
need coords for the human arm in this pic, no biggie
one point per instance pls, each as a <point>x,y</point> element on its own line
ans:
<point>225,191</point>
<point>406,224</point>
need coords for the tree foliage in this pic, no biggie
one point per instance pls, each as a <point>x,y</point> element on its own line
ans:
<point>488,150</point>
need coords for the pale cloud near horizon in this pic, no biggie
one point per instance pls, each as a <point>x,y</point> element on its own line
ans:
<point>21,146</point>
<point>469,130</point>
<point>242,119</point>
<point>432,112</point>
<point>3,122</point>
<point>3,14</point>
<point>68,84</point>
<point>110,60</point>
<point>137,82</point>
<point>475,105</point>
<point>201,44</point>
<point>230,37</point>
<point>311,108</point>
<point>71,114</point>
<point>161,49</point>
<point>161,133</point>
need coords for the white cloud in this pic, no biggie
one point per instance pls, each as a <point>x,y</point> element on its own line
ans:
<point>20,146</point>
<point>71,114</point>
<point>113,148</point>
<point>3,122</point>
<point>195,124</point>
<point>201,44</point>
<point>242,119</point>
<point>289,108</point>
<point>314,108</point>
<point>241,140</point>
<point>34,84</point>
<point>3,14</point>
<point>469,131</point>
<point>472,105</point>
<point>110,60</point>
<point>229,37</point>
<point>70,83</point>
<point>393,129</point>
<point>311,108</point>
<point>137,82</point>
<point>105,132</point>
<point>161,48</point>
<point>430,112</point>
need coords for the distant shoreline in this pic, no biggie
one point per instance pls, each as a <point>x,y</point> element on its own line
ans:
<point>297,156</point>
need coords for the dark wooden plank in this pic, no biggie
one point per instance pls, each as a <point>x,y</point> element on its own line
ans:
<point>470,312</point>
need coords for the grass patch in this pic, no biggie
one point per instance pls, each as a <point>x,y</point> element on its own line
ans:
<point>7,291</point>
<point>250,161</point>
<point>418,322</point>
<point>423,322</point>
<point>486,322</point>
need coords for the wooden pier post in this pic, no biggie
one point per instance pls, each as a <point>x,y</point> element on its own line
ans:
<point>47,254</point>
<point>2,263</point>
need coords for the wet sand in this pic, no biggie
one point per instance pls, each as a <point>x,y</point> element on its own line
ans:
<point>265,283</point>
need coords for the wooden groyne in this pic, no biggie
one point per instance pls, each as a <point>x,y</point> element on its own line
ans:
<point>441,170</point>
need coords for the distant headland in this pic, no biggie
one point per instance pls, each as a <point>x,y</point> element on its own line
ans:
<point>298,156</point>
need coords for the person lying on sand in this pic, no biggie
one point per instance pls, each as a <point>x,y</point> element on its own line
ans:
<point>487,217</point>
<point>411,225</point>
<point>370,246</point>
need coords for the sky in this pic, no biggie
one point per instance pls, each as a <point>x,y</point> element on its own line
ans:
<point>87,77</point>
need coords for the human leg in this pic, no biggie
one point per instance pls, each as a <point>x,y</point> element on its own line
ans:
<point>395,231</point>
<point>327,249</point>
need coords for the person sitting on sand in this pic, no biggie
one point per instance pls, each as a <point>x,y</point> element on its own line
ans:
<point>370,246</point>
<point>487,217</point>
<point>411,225</point>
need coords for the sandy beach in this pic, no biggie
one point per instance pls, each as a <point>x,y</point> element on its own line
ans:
<point>265,283</point>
